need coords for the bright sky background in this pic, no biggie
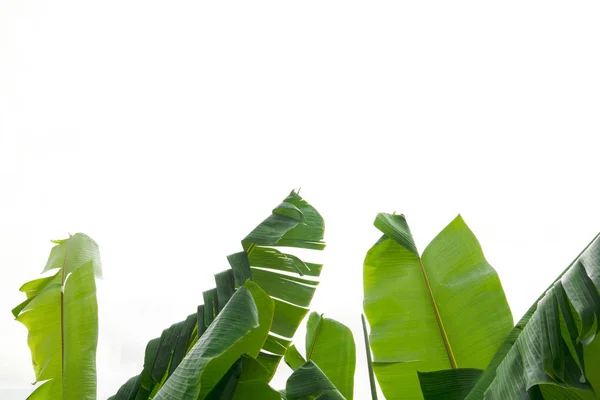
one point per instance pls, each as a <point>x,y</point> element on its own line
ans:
<point>168,130</point>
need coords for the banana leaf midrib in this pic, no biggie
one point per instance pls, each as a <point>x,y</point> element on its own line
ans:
<point>438,318</point>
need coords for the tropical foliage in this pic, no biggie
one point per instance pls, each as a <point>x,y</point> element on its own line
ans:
<point>61,314</point>
<point>289,284</point>
<point>439,325</point>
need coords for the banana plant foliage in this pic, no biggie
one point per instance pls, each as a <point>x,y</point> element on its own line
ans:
<point>61,315</point>
<point>330,345</point>
<point>289,282</point>
<point>240,328</point>
<point>554,350</point>
<point>443,310</point>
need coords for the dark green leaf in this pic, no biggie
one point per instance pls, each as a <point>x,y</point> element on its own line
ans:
<point>309,382</point>
<point>449,384</point>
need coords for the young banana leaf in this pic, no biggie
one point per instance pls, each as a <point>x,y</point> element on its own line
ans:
<point>443,310</point>
<point>293,223</point>
<point>61,314</point>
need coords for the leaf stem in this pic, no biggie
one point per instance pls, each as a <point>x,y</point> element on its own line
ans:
<point>62,313</point>
<point>369,359</point>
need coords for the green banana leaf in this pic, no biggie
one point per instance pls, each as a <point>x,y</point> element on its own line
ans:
<point>61,315</point>
<point>241,328</point>
<point>294,223</point>
<point>553,351</point>
<point>309,382</point>
<point>330,345</point>
<point>289,280</point>
<point>444,310</point>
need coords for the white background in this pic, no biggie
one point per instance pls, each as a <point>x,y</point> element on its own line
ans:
<point>168,130</point>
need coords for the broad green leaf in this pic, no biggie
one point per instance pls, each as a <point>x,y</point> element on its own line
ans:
<point>309,382</point>
<point>443,310</point>
<point>240,328</point>
<point>551,345</point>
<point>61,314</point>
<point>330,345</point>
<point>448,384</point>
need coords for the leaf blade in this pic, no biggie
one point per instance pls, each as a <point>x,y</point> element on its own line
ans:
<point>430,313</point>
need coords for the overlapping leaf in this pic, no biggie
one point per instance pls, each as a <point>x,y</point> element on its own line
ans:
<point>448,384</point>
<point>309,382</point>
<point>241,328</point>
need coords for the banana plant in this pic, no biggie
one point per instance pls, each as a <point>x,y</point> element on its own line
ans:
<point>61,315</point>
<point>440,323</point>
<point>289,282</point>
<point>443,310</point>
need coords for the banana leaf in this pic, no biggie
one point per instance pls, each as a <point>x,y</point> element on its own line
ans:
<point>309,382</point>
<point>241,328</point>
<point>330,345</point>
<point>61,315</point>
<point>290,282</point>
<point>553,351</point>
<point>443,310</point>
